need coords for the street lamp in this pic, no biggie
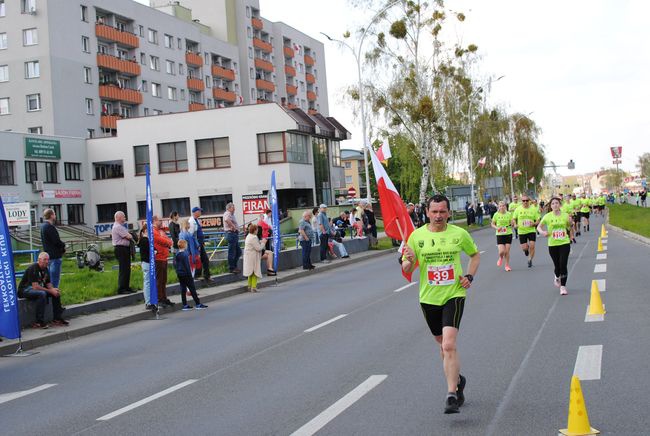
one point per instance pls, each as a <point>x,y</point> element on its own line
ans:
<point>512,151</point>
<point>357,58</point>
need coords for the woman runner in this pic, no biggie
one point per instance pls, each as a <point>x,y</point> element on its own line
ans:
<point>558,225</point>
<point>502,222</point>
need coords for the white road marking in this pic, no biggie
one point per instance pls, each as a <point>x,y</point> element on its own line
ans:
<point>482,252</point>
<point>601,256</point>
<point>340,406</point>
<point>404,287</point>
<point>588,362</point>
<point>604,247</point>
<point>323,324</point>
<point>600,268</point>
<point>146,400</point>
<point>602,286</point>
<point>5,398</point>
<point>594,318</point>
<point>603,240</point>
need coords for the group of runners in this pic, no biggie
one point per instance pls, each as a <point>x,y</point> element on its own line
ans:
<point>436,249</point>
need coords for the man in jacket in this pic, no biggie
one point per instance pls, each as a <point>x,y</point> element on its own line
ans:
<point>197,231</point>
<point>52,245</point>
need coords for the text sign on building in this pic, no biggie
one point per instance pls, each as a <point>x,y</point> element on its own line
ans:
<point>42,148</point>
<point>62,193</point>
<point>17,214</point>
<point>617,152</point>
<point>254,204</point>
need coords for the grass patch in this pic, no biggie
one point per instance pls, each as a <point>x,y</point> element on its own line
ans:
<point>631,218</point>
<point>384,243</point>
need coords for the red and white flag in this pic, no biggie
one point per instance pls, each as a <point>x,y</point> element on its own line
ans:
<point>517,173</point>
<point>397,222</point>
<point>532,180</point>
<point>296,48</point>
<point>383,154</point>
<point>481,161</point>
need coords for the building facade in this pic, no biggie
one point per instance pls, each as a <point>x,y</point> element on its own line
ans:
<point>355,171</point>
<point>75,68</point>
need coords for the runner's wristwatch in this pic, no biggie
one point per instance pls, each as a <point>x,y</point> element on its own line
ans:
<point>469,277</point>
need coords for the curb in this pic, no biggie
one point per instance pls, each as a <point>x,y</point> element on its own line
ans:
<point>631,235</point>
<point>65,334</point>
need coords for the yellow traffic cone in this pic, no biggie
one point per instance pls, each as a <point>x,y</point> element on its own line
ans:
<point>578,420</point>
<point>600,244</point>
<point>595,303</point>
<point>603,232</point>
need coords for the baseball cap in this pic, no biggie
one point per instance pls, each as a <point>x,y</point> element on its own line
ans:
<point>196,209</point>
<point>323,206</point>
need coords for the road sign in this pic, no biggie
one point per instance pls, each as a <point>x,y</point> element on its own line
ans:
<point>617,161</point>
<point>352,192</point>
<point>617,152</point>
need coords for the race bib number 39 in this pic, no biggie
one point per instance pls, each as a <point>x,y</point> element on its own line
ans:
<point>441,275</point>
<point>559,234</point>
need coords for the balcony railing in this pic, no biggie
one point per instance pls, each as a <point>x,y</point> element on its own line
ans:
<point>263,65</point>
<point>115,93</point>
<point>195,84</point>
<point>222,94</point>
<point>262,45</point>
<point>310,78</point>
<point>311,96</point>
<point>109,121</point>
<point>288,52</point>
<point>312,111</point>
<point>257,23</point>
<point>224,73</point>
<point>112,34</point>
<point>309,61</point>
<point>292,90</point>
<point>196,107</point>
<point>292,106</point>
<point>109,62</point>
<point>289,71</point>
<point>193,59</point>
<point>265,85</point>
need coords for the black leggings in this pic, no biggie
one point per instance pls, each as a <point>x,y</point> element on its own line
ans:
<point>560,256</point>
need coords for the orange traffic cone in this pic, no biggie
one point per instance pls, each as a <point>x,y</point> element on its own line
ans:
<point>603,232</point>
<point>600,244</point>
<point>595,303</point>
<point>578,420</point>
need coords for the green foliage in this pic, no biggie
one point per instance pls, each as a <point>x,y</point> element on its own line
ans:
<point>644,165</point>
<point>398,29</point>
<point>613,179</point>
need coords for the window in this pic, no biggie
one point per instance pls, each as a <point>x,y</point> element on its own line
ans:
<point>215,204</point>
<point>182,94</point>
<point>270,147</point>
<point>144,87</point>
<point>141,31</point>
<point>106,212</point>
<point>298,148</point>
<point>154,63</point>
<point>51,172</point>
<point>336,153</point>
<point>31,171</point>
<point>180,205</point>
<point>142,210</point>
<point>30,37</point>
<point>172,157</point>
<point>155,89</point>
<point>348,165</point>
<point>152,36</point>
<point>27,6</point>
<point>84,13</point>
<point>72,170</point>
<point>348,180</point>
<point>6,172</point>
<point>89,106</point>
<point>38,130</point>
<point>85,44</point>
<point>3,41</point>
<point>4,73</point>
<point>143,58</point>
<point>126,111</point>
<point>180,43</point>
<point>169,41</point>
<point>181,69</point>
<point>2,8</point>
<point>4,106</point>
<point>249,32</point>
<point>108,170</point>
<point>33,102</point>
<point>76,214</point>
<point>146,111</point>
<point>169,67</point>
<point>208,82</point>
<point>141,154</point>
<point>212,153</point>
<point>171,93</point>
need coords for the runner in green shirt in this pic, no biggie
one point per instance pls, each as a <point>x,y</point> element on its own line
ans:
<point>558,230</point>
<point>443,287</point>
<point>584,212</point>
<point>525,219</point>
<point>502,223</point>
<point>512,207</point>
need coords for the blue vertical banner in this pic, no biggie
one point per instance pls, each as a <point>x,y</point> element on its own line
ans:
<point>152,253</point>
<point>9,324</point>
<point>275,213</point>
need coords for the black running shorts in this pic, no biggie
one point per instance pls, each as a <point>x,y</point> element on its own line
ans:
<point>523,239</point>
<point>584,215</point>
<point>448,315</point>
<point>504,239</point>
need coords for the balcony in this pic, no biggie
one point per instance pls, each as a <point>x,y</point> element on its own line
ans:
<point>288,52</point>
<point>262,45</point>
<point>310,78</point>
<point>109,121</point>
<point>193,59</point>
<point>224,73</point>
<point>312,111</point>
<point>115,93</point>
<point>109,33</point>
<point>194,84</point>
<point>289,71</point>
<point>309,61</point>
<point>222,94</point>
<point>113,63</point>
<point>263,65</point>
<point>292,90</point>
<point>265,85</point>
<point>311,96</point>
<point>257,23</point>
<point>292,106</point>
<point>193,107</point>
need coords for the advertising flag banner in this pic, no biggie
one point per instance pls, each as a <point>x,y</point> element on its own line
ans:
<point>9,324</point>
<point>275,213</point>
<point>152,258</point>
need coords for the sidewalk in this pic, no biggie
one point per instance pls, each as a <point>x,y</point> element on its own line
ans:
<point>87,324</point>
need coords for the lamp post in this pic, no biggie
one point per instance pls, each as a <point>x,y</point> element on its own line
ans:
<point>357,58</point>
<point>512,151</point>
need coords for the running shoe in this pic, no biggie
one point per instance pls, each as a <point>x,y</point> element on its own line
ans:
<point>500,261</point>
<point>563,290</point>
<point>201,306</point>
<point>526,253</point>
<point>508,269</point>
<point>530,263</point>
<point>451,403</point>
<point>556,282</point>
<point>459,390</point>
<point>186,308</point>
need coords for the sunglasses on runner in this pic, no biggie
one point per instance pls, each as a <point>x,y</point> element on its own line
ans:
<point>525,201</point>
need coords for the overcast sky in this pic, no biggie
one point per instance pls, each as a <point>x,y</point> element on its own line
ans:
<point>582,66</point>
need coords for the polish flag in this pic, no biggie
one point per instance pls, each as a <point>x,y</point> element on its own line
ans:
<point>383,154</point>
<point>481,161</point>
<point>397,222</point>
<point>517,173</point>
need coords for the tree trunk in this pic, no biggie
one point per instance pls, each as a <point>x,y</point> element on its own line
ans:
<point>424,180</point>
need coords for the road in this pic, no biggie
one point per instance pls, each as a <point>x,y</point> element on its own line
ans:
<point>347,352</point>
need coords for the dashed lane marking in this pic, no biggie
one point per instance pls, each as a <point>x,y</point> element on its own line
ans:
<point>5,398</point>
<point>588,362</point>
<point>600,268</point>
<point>601,256</point>
<point>323,324</point>
<point>602,285</point>
<point>594,318</point>
<point>404,287</point>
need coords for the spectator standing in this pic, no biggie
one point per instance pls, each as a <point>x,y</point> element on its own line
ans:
<point>143,245</point>
<point>231,227</point>
<point>372,224</point>
<point>410,209</point>
<point>185,277</point>
<point>253,249</point>
<point>305,235</point>
<point>314,225</point>
<point>52,245</point>
<point>197,230</point>
<point>122,245</point>
<point>324,232</point>
<point>36,285</point>
<point>264,229</point>
<point>193,250</point>
<point>174,230</point>
<point>162,244</point>
<point>644,197</point>
<point>479,214</point>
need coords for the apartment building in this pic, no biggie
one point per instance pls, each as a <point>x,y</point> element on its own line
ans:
<point>355,171</point>
<point>74,67</point>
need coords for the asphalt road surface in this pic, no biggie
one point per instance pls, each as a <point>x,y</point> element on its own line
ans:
<point>347,352</point>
